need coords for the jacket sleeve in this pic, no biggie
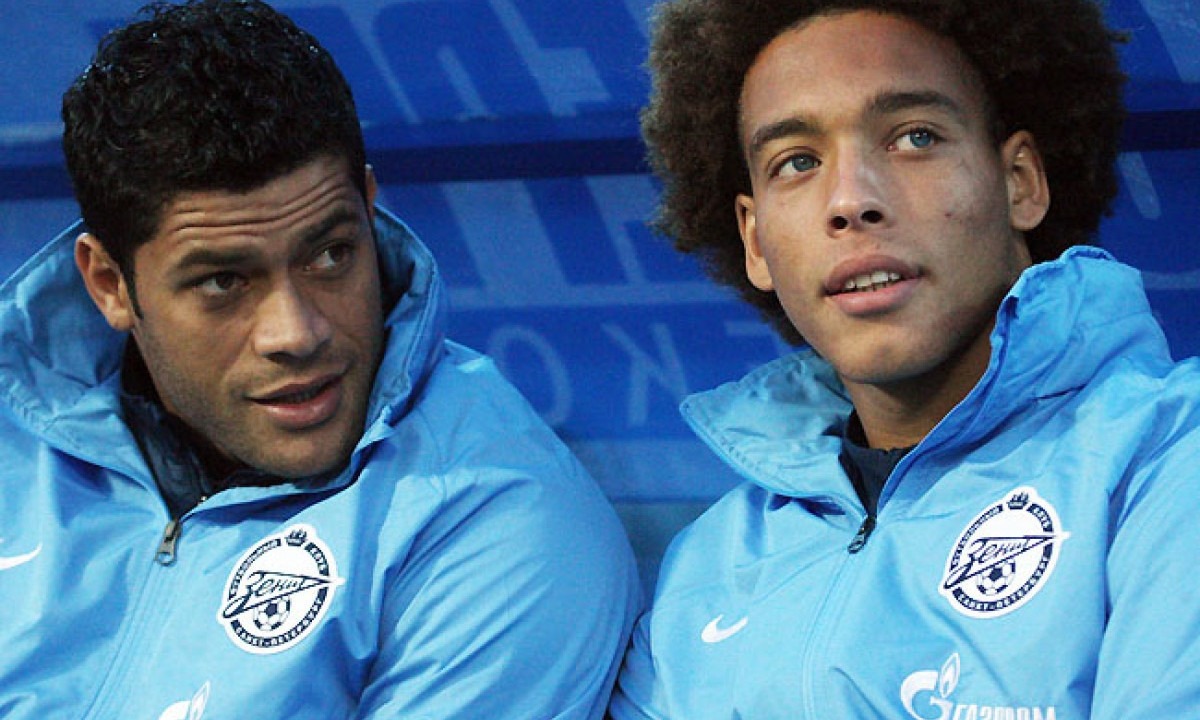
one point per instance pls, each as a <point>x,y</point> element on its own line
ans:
<point>634,696</point>
<point>518,603</point>
<point>1149,664</point>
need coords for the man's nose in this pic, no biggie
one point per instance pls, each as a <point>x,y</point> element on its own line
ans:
<point>857,200</point>
<point>289,324</point>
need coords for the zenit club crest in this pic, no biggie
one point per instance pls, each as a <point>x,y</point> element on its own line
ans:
<point>1004,557</point>
<point>279,591</point>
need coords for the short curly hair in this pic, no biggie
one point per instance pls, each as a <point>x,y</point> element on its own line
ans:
<point>1048,66</point>
<point>208,95</point>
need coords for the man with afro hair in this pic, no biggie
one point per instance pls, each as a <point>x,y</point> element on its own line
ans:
<point>971,495</point>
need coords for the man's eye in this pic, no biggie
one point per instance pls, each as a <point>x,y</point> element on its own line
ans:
<point>918,139</point>
<point>218,284</point>
<point>798,164</point>
<point>332,257</point>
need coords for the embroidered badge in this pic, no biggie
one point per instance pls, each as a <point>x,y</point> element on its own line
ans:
<point>279,591</point>
<point>1004,557</point>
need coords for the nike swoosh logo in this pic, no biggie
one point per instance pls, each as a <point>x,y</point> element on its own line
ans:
<point>8,563</point>
<point>714,633</point>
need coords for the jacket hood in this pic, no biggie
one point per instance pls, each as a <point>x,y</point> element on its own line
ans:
<point>60,360</point>
<point>416,319</point>
<point>782,423</point>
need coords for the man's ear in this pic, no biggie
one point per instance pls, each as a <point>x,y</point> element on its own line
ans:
<point>1028,188</point>
<point>104,282</point>
<point>756,265</point>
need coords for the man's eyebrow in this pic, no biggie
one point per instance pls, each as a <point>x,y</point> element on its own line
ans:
<point>228,257</point>
<point>780,129</point>
<point>332,221</point>
<point>885,103</point>
<point>211,257</point>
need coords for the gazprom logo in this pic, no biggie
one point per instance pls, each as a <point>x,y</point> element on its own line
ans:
<point>929,695</point>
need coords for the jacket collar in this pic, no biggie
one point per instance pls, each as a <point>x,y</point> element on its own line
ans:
<point>781,425</point>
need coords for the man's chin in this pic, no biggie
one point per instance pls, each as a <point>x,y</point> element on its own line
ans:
<point>309,460</point>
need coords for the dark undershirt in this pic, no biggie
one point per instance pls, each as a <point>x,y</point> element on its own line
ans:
<point>867,467</point>
<point>163,439</point>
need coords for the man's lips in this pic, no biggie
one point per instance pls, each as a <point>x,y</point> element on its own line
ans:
<point>871,285</point>
<point>302,405</point>
<point>871,281</point>
<point>296,392</point>
<point>868,274</point>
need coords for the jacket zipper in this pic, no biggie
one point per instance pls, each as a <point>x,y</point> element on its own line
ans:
<point>166,547</point>
<point>863,534</point>
<point>147,610</point>
<point>869,522</point>
<point>818,635</point>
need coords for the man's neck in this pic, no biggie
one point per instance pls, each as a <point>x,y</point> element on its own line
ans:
<point>900,414</point>
<point>136,381</point>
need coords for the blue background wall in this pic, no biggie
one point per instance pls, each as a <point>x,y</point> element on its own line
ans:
<point>505,133</point>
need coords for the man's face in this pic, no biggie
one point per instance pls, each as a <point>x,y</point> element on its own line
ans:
<point>883,214</point>
<point>261,319</point>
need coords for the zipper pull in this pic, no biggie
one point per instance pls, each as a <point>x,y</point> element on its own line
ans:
<point>863,534</point>
<point>166,548</point>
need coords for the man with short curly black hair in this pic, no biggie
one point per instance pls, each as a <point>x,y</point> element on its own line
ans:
<point>971,496</point>
<point>245,474</point>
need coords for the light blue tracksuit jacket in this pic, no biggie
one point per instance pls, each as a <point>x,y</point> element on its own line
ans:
<point>464,565</point>
<point>1035,556</point>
